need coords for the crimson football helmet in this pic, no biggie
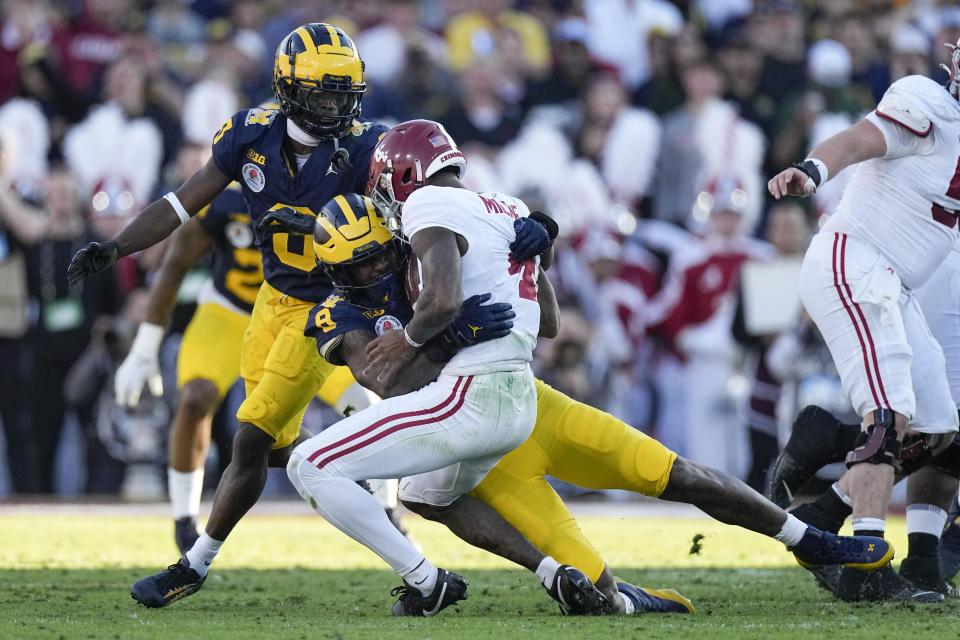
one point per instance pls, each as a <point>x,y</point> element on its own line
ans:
<point>405,157</point>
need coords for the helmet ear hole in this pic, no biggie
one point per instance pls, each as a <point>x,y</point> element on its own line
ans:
<point>407,176</point>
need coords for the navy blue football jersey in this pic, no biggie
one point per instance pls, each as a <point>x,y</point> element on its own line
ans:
<point>249,149</point>
<point>237,268</point>
<point>334,317</point>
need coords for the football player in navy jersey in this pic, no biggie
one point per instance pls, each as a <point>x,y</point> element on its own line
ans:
<point>299,156</point>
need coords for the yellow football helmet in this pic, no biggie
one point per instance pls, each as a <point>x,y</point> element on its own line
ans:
<point>318,79</point>
<point>358,253</point>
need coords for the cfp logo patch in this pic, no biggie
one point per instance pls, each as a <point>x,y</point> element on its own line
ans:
<point>253,176</point>
<point>387,323</point>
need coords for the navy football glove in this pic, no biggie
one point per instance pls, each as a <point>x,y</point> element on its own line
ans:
<point>286,220</point>
<point>532,239</point>
<point>475,323</point>
<point>93,258</point>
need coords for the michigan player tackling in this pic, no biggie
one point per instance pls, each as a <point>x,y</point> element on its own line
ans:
<point>570,440</point>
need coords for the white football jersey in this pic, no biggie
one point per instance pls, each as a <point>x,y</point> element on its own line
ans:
<point>485,220</point>
<point>905,204</point>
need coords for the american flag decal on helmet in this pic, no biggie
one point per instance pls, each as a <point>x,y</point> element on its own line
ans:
<point>437,141</point>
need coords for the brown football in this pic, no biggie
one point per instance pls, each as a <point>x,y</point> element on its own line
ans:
<point>411,281</point>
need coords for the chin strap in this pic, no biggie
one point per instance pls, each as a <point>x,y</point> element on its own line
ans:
<point>339,162</point>
<point>299,135</point>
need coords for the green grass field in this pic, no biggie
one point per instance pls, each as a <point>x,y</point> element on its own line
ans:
<point>68,576</point>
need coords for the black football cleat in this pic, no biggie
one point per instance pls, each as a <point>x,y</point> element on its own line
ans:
<point>827,577</point>
<point>882,585</point>
<point>818,548</point>
<point>924,573</point>
<point>576,594</point>
<point>812,445</point>
<point>185,533</point>
<point>173,583</point>
<point>450,589</point>
<point>950,544</point>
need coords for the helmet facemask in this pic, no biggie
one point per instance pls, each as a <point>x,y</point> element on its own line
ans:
<point>385,199</point>
<point>324,109</point>
<point>380,292</point>
<point>954,85</point>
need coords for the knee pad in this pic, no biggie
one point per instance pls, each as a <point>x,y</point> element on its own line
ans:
<point>914,453</point>
<point>878,444</point>
<point>948,460</point>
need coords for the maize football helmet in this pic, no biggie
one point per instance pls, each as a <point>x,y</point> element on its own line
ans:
<point>403,159</point>
<point>318,80</point>
<point>361,257</point>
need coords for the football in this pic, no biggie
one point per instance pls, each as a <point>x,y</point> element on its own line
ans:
<point>411,280</point>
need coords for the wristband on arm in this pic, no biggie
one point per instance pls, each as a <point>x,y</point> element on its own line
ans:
<point>815,169</point>
<point>178,208</point>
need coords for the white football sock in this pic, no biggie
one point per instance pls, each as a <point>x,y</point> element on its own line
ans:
<point>185,488</point>
<point>202,553</point>
<point>792,531</point>
<point>925,518</point>
<point>547,571</point>
<point>423,577</point>
<point>868,524</point>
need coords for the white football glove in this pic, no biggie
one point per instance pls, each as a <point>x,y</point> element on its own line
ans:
<point>141,366</point>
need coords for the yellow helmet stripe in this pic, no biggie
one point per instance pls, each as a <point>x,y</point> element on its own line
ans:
<point>305,36</point>
<point>334,37</point>
<point>347,210</point>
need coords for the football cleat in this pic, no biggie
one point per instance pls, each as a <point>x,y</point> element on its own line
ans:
<point>950,544</point>
<point>924,573</point>
<point>185,533</point>
<point>811,446</point>
<point>884,584</point>
<point>173,583</point>
<point>827,577</point>
<point>654,600</point>
<point>817,548</point>
<point>450,589</point>
<point>576,594</point>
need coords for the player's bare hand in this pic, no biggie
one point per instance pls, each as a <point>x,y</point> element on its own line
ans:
<point>791,182</point>
<point>387,355</point>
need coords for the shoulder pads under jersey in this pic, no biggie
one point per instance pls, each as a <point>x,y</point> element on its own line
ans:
<point>903,110</point>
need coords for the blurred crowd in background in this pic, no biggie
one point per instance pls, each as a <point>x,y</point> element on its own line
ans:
<point>647,128</point>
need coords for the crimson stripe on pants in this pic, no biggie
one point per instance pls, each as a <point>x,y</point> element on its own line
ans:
<point>405,425</point>
<point>866,327</point>
<point>397,416</point>
<point>853,319</point>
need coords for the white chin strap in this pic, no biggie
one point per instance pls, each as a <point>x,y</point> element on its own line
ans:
<point>299,135</point>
